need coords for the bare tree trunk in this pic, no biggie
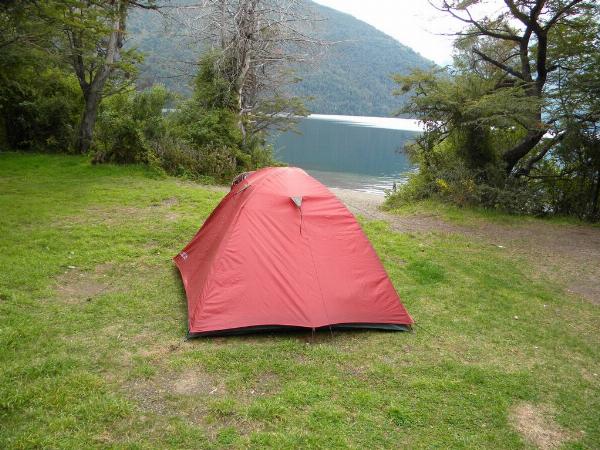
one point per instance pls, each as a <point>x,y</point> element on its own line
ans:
<point>596,198</point>
<point>259,41</point>
<point>88,120</point>
<point>241,82</point>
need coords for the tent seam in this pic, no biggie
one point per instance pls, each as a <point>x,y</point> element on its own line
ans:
<point>312,258</point>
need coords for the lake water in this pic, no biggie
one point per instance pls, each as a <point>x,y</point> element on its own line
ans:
<point>351,152</point>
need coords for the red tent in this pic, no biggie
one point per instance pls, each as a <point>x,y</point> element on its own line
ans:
<point>282,251</point>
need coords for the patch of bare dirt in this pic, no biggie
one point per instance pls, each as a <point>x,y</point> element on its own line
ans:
<point>154,394</point>
<point>77,286</point>
<point>537,427</point>
<point>156,351</point>
<point>588,287</point>
<point>265,384</point>
<point>109,215</point>
<point>168,202</point>
<point>117,214</point>
<point>190,395</point>
<point>569,254</point>
<point>192,382</point>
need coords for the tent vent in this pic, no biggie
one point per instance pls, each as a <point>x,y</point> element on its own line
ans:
<point>243,189</point>
<point>297,200</point>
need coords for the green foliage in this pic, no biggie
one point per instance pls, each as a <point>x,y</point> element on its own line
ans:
<point>207,135</point>
<point>207,127</point>
<point>200,140</point>
<point>39,111</point>
<point>211,90</point>
<point>128,125</point>
<point>40,102</point>
<point>444,174</point>
<point>571,174</point>
<point>477,116</point>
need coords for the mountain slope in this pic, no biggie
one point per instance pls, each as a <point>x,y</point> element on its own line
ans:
<point>351,77</point>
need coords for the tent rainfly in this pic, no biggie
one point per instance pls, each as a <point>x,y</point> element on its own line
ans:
<point>281,251</point>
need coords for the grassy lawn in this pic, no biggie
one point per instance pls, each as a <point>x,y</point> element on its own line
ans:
<point>92,321</point>
<point>468,216</point>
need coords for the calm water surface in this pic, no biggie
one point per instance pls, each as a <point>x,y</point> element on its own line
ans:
<point>351,152</point>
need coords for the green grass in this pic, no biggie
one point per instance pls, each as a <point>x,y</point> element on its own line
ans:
<point>472,215</point>
<point>92,320</point>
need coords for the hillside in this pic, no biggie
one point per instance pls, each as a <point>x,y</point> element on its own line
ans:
<point>351,77</point>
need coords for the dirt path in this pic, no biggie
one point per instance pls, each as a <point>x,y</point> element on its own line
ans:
<point>567,253</point>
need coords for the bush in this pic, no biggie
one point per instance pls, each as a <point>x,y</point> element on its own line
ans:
<point>201,140</point>
<point>128,124</point>
<point>205,138</point>
<point>39,111</point>
<point>206,164</point>
<point>443,174</point>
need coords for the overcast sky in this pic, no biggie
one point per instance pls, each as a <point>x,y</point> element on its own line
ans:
<point>414,23</point>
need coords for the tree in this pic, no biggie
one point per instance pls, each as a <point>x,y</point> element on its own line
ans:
<point>39,100</point>
<point>517,115</point>
<point>95,32</point>
<point>517,42</point>
<point>257,43</point>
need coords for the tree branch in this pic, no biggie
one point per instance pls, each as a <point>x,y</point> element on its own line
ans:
<point>524,171</point>
<point>482,30</point>
<point>507,69</point>
<point>560,13</point>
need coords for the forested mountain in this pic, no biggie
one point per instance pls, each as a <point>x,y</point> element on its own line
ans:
<point>351,76</point>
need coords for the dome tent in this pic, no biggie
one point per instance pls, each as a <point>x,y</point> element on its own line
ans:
<point>281,251</point>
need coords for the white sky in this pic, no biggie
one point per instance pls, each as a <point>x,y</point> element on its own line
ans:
<point>414,23</point>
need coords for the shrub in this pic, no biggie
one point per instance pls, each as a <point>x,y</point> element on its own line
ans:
<point>39,111</point>
<point>200,140</point>
<point>445,175</point>
<point>127,125</point>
